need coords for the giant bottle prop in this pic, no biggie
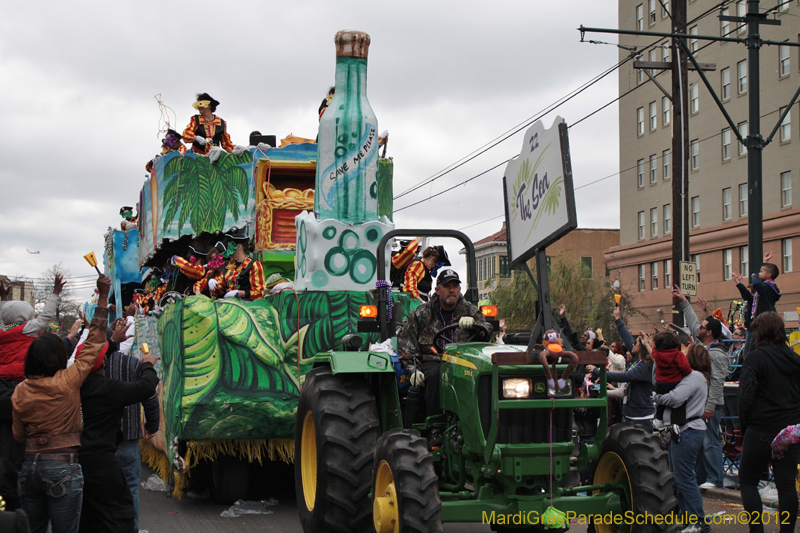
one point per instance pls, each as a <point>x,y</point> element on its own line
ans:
<point>347,162</point>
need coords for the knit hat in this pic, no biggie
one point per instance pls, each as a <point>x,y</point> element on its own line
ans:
<point>591,334</point>
<point>100,358</point>
<point>16,311</point>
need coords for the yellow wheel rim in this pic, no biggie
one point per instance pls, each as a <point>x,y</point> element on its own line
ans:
<point>611,469</point>
<point>308,461</point>
<point>385,515</point>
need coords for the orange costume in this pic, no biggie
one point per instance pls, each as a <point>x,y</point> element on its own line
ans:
<point>247,276</point>
<point>215,130</point>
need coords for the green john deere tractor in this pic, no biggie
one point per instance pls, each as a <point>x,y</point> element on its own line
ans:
<point>508,457</point>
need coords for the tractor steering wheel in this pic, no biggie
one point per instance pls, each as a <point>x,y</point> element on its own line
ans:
<point>478,334</point>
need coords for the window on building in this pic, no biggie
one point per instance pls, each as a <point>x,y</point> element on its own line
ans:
<point>640,172</point>
<point>653,116</point>
<point>641,225</point>
<point>695,211</point>
<point>666,109</point>
<point>641,278</point>
<point>667,219</point>
<point>786,126</point>
<point>741,76</point>
<point>694,98</point>
<point>695,151</point>
<point>653,275</point>
<point>727,263</point>
<point>724,25</point>
<point>743,132</point>
<point>783,60</point>
<point>786,189</point>
<point>693,42</point>
<point>667,273</point>
<point>696,259</point>
<point>727,206</point>
<point>640,17</point>
<point>726,144</point>
<point>725,79</point>
<point>640,121</point>
<point>665,51</point>
<point>666,158</point>
<point>653,168</point>
<point>786,247</point>
<point>639,71</point>
<point>744,261</point>
<point>741,11</point>
<point>742,199</point>
<point>654,222</point>
<point>505,272</point>
<point>587,263</point>
<point>665,10</point>
<point>651,8</point>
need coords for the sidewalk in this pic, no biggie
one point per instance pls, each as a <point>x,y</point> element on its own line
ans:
<point>734,496</point>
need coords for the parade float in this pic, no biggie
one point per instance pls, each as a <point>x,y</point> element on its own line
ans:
<point>232,370</point>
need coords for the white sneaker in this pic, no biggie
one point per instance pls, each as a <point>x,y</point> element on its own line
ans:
<point>708,485</point>
<point>694,529</point>
<point>657,424</point>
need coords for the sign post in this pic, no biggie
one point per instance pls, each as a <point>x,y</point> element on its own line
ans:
<point>688,281</point>
<point>540,206</point>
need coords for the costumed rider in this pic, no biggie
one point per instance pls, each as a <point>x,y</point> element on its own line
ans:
<point>170,143</point>
<point>415,342</point>
<point>207,132</point>
<point>244,277</point>
<point>129,221</point>
<point>418,278</point>
<point>209,279</point>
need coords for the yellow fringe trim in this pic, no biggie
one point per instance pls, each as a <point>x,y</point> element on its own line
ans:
<point>208,450</point>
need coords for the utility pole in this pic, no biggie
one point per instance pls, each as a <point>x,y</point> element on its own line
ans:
<point>755,143</point>
<point>680,152</point>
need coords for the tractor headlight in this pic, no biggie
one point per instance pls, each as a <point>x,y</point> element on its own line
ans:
<point>516,388</point>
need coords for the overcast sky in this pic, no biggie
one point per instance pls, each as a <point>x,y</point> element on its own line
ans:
<point>79,117</point>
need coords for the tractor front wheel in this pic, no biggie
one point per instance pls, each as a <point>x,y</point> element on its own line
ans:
<point>335,434</point>
<point>633,457</point>
<point>405,489</point>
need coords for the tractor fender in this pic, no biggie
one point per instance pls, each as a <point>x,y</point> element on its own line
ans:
<point>355,362</point>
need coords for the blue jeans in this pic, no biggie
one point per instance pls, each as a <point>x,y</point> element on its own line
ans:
<point>683,456</point>
<point>51,491</point>
<point>709,466</point>
<point>131,464</point>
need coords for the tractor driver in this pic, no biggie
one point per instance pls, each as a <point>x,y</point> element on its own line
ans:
<point>446,307</point>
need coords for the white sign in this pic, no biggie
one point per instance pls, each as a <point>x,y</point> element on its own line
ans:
<point>539,197</point>
<point>688,273</point>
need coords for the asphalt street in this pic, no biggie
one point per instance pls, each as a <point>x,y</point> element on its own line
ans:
<point>161,514</point>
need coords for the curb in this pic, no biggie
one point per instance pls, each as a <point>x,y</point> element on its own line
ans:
<point>733,496</point>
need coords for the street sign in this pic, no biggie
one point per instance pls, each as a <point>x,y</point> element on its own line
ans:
<point>688,281</point>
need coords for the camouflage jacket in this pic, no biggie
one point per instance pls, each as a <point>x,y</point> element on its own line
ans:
<point>416,338</point>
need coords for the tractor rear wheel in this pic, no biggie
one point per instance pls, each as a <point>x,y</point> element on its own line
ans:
<point>632,456</point>
<point>405,490</point>
<point>335,434</point>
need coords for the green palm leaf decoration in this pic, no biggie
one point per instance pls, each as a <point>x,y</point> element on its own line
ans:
<point>203,194</point>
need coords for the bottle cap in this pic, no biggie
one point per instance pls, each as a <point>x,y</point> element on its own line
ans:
<point>352,43</point>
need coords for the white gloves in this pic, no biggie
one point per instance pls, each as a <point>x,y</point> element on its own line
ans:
<point>173,260</point>
<point>418,379</point>
<point>239,149</point>
<point>200,140</point>
<point>264,147</point>
<point>212,284</point>
<point>466,323</point>
<point>214,154</point>
<point>232,294</point>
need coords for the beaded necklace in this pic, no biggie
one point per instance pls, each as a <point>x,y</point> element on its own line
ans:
<point>12,325</point>
<point>452,332</point>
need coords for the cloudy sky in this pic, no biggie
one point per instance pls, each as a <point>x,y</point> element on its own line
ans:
<point>78,82</point>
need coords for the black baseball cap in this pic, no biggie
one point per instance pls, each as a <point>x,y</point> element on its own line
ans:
<point>447,275</point>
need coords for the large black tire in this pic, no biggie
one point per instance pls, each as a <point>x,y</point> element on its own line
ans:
<point>335,434</point>
<point>230,479</point>
<point>632,455</point>
<point>404,485</point>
